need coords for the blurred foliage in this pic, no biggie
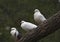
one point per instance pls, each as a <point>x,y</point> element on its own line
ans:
<point>13,11</point>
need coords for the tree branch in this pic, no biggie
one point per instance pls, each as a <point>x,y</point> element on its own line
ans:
<point>46,28</point>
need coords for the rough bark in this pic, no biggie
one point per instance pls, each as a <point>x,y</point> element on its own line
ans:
<point>43,30</point>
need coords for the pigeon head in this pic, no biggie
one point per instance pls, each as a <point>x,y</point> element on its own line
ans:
<point>13,28</point>
<point>22,22</point>
<point>36,10</point>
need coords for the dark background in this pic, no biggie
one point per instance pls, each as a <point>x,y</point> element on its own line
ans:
<point>13,11</point>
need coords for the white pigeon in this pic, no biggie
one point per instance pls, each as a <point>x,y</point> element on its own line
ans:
<point>15,33</point>
<point>38,17</point>
<point>27,26</point>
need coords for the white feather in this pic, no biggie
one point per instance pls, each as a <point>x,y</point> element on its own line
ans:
<point>38,17</point>
<point>59,1</point>
<point>27,25</point>
<point>14,32</point>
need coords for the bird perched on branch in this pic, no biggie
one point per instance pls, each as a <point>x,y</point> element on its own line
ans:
<point>15,33</point>
<point>27,26</point>
<point>38,17</point>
